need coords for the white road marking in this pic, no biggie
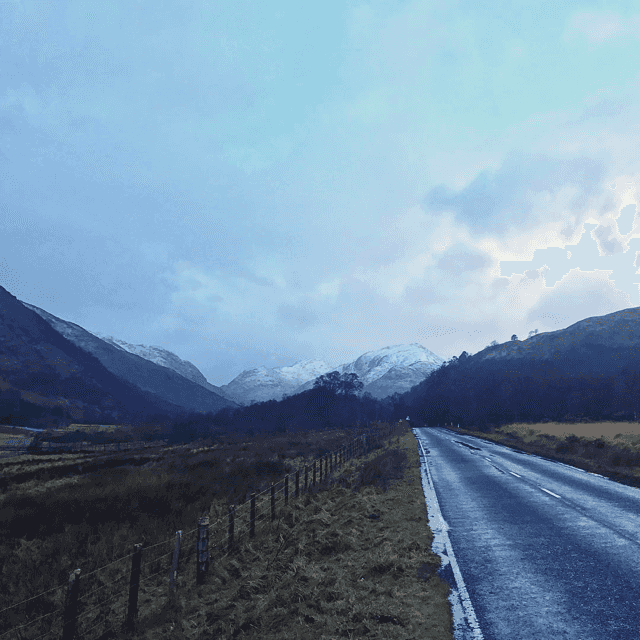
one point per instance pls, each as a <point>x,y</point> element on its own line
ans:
<point>551,492</point>
<point>515,474</point>
<point>442,546</point>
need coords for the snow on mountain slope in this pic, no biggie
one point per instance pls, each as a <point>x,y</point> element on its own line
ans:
<point>411,362</point>
<point>164,358</point>
<point>374,364</point>
<point>159,377</point>
<point>383,372</point>
<point>160,356</point>
<point>258,385</point>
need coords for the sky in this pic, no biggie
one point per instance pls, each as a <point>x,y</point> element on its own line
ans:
<point>257,183</point>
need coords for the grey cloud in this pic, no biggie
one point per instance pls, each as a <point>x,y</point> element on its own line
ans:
<point>608,243</point>
<point>297,316</point>
<point>458,259</point>
<point>423,294</point>
<point>491,200</point>
<point>579,298</point>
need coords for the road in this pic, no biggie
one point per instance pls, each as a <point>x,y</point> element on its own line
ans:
<point>543,550</point>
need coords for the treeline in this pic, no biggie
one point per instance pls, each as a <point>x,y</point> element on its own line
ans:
<point>590,382</point>
<point>334,402</point>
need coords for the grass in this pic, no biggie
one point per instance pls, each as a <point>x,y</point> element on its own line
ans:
<point>322,569</point>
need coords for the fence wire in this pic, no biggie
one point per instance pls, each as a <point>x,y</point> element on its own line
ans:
<point>262,517</point>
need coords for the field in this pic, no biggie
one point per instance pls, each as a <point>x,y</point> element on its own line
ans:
<point>349,558</point>
<point>620,433</point>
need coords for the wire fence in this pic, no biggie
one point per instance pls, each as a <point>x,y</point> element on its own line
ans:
<point>65,613</point>
<point>45,446</point>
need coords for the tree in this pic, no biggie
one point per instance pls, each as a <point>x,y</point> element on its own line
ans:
<point>330,381</point>
<point>345,384</point>
<point>350,384</point>
<point>533,333</point>
<point>514,337</point>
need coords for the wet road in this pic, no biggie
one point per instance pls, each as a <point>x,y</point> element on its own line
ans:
<point>545,550</point>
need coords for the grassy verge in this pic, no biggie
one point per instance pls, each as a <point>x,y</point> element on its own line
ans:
<point>610,449</point>
<point>351,558</point>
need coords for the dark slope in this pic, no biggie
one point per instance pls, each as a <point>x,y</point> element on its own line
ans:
<point>163,382</point>
<point>34,357</point>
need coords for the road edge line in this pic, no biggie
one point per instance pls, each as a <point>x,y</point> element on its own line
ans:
<point>462,608</point>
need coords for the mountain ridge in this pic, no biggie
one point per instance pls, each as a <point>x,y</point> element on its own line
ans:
<point>163,382</point>
<point>411,364</point>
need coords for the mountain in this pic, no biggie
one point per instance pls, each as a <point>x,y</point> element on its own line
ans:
<point>161,381</point>
<point>383,372</point>
<point>619,330</point>
<point>390,370</point>
<point>258,385</point>
<point>587,370</point>
<point>43,372</point>
<point>165,358</point>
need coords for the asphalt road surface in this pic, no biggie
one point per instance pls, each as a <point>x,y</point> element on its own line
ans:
<point>534,549</point>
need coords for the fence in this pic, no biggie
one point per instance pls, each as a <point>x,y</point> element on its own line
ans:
<point>78,447</point>
<point>71,607</point>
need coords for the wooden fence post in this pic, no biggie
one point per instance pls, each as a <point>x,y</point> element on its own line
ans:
<point>297,482</point>
<point>321,470</point>
<point>286,490</point>
<point>174,564</point>
<point>306,478</point>
<point>314,473</point>
<point>134,584</point>
<point>273,502</point>
<point>330,462</point>
<point>71,606</point>
<point>252,518</point>
<point>232,508</point>
<point>202,549</point>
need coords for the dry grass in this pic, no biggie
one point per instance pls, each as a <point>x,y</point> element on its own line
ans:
<point>322,569</point>
<point>619,433</point>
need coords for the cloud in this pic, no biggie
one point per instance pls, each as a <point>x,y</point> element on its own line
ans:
<point>458,259</point>
<point>297,316</point>
<point>495,200</point>
<point>601,26</point>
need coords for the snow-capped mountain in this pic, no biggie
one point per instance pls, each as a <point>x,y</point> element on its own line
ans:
<point>383,373</point>
<point>160,356</point>
<point>258,385</point>
<point>390,369</point>
<point>165,358</point>
<point>164,375</point>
